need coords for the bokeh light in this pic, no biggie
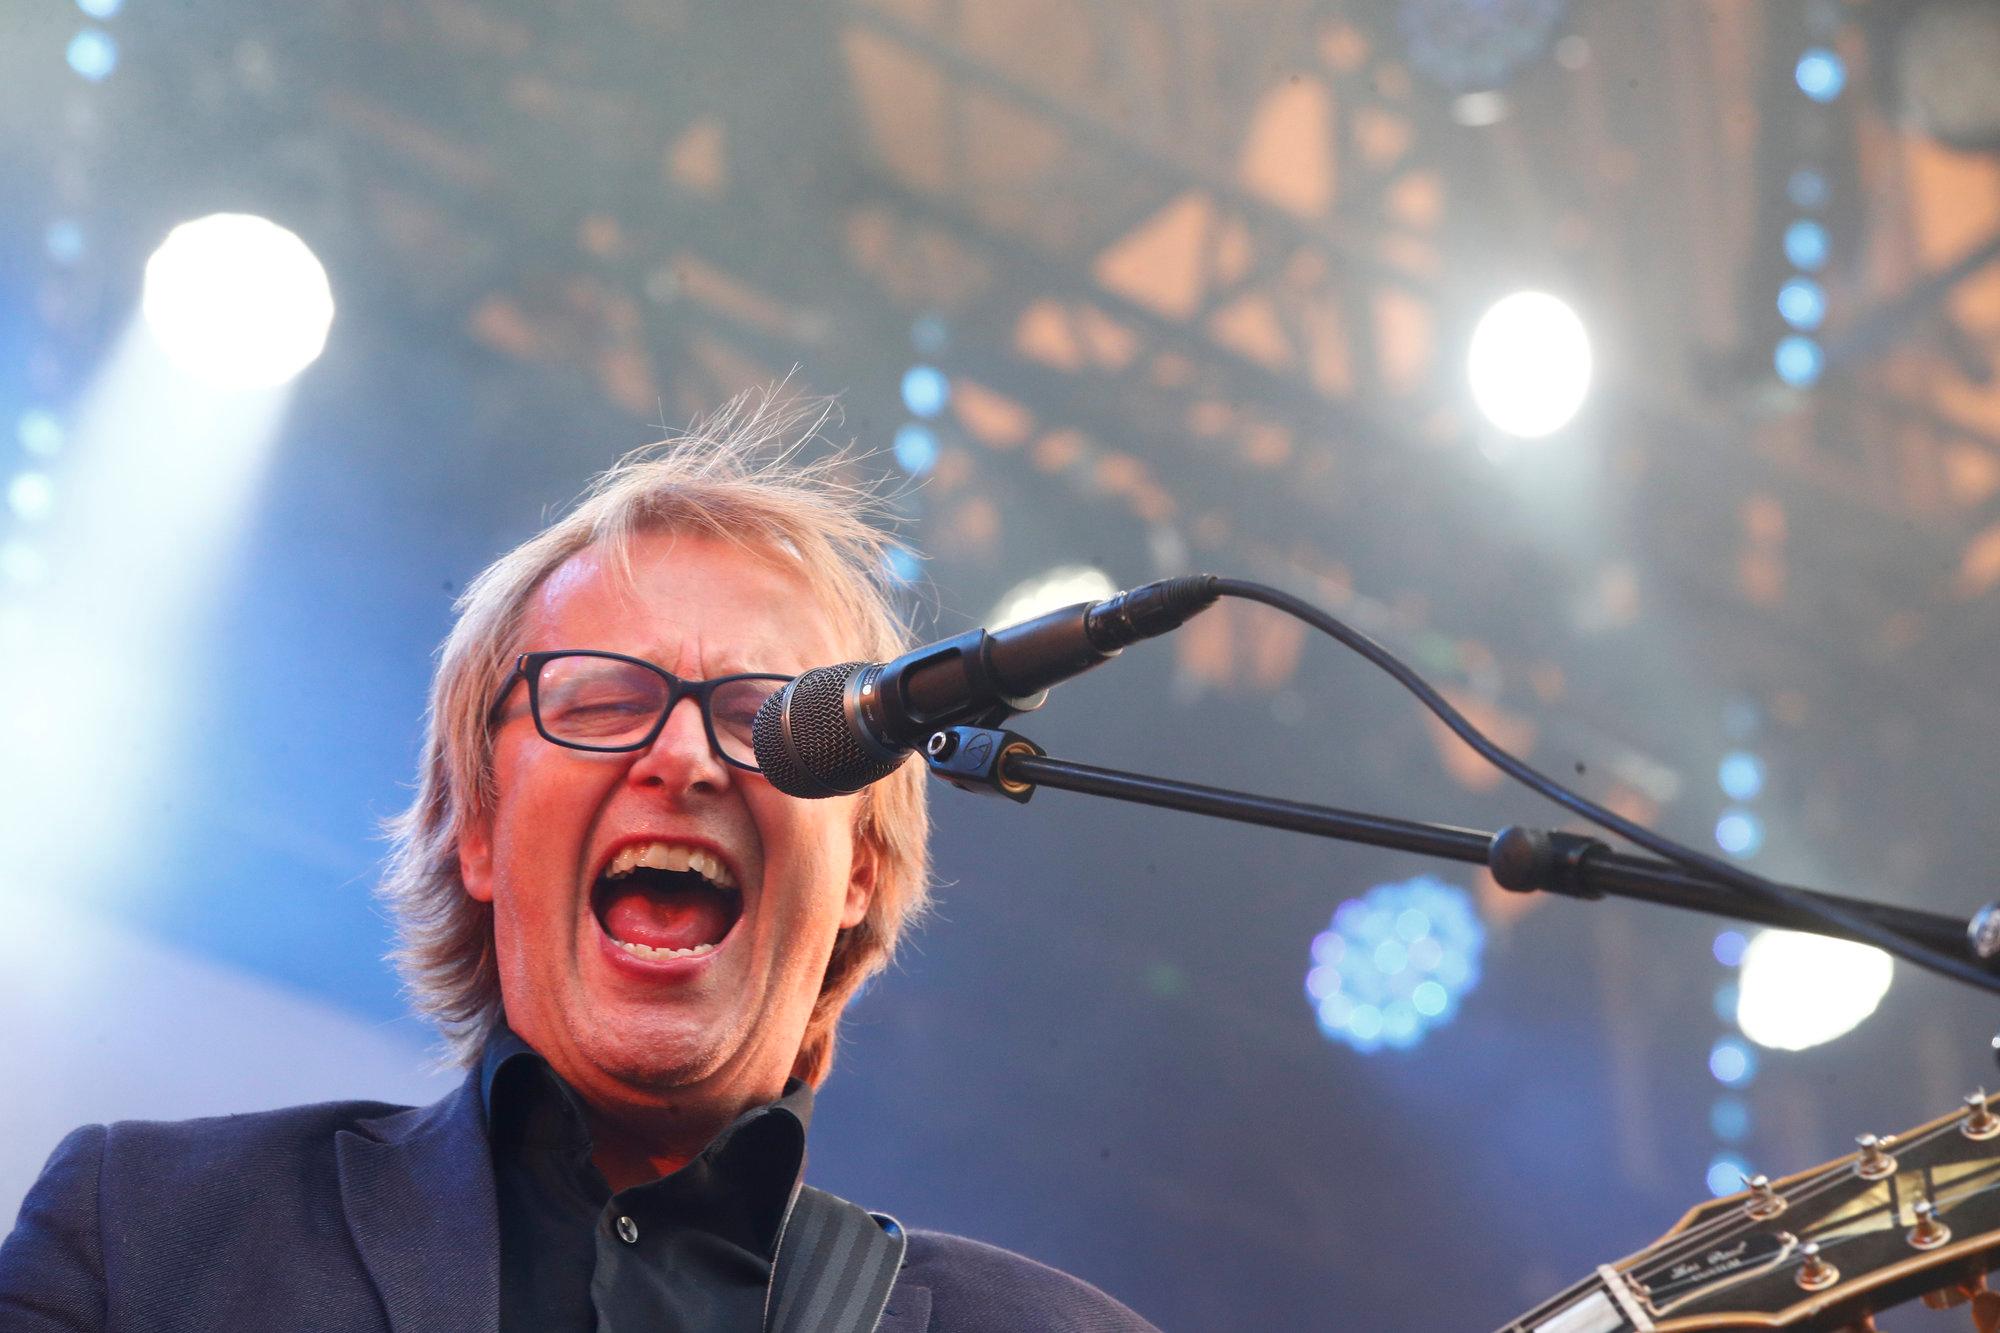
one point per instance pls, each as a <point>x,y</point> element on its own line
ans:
<point>31,495</point>
<point>1821,74</point>
<point>1798,361</point>
<point>1806,245</point>
<point>1802,303</point>
<point>92,54</point>
<point>1729,1118</point>
<point>925,390</point>
<point>916,448</point>
<point>1733,1063</point>
<point>1729,946</point>
<point>1739,833</point>
<point>1726,1174</point>
<point>237,301</point>
<point>1799,990</point>
<point>1395,963</point>
<point>39,433</point>
<point>1741,775</point>
<point>1529,364</point>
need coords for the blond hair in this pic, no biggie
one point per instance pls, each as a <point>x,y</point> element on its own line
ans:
<point>738,475</point>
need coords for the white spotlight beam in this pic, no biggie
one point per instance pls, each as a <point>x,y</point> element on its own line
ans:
<point>103,661</point>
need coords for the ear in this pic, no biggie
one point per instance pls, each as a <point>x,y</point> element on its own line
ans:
<point>861,881</point>
<point>475,857</point>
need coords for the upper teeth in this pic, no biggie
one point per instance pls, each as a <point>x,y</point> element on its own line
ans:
<point>671,856</point>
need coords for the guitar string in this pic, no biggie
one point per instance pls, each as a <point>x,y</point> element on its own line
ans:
<point>1696,1237</point>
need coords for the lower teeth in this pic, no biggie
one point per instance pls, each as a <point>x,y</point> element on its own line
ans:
<point>648,951</point>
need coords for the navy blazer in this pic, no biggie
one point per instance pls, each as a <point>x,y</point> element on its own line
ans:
<point>365,1216</point>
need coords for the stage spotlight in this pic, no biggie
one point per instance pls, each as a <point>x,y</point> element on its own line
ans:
<point>1799,990</point>
<point>1394,964</point>
<point>101,9</point>
<point>1059,587</point>
<point>92,54</point>
<point>1529,364</point>
<point>901,566</point>
<point>237,301</point>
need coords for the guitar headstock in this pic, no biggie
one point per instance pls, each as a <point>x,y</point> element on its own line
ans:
<point>1913,1214</point>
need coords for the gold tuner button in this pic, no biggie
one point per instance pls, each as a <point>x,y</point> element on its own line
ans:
<point>1815,1273</point>
<point>1764,1201</point>
<point>1928,1233</point>
<point>1875,1163</point>
<point>1980,1122</point>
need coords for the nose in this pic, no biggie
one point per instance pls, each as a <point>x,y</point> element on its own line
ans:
<point>680,758</point>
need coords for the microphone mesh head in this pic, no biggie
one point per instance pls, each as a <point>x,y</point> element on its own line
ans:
<point>824,756</point>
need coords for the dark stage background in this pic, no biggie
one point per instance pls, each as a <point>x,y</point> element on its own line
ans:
<point>1187,286</point>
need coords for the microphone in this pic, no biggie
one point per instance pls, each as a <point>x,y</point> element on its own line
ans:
<point>835,729</point>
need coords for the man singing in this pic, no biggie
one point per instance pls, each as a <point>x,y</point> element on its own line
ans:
<point>638,949</point>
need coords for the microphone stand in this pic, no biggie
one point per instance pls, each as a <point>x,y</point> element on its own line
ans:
<point>1524,860</point>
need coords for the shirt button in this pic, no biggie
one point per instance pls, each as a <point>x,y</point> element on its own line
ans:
<point>628,1230</point>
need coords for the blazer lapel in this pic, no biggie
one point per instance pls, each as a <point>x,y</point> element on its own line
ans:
<point>418,1190</point>
<point>908,1311</point>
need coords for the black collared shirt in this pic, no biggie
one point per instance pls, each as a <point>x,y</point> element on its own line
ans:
<point>691,1251</point>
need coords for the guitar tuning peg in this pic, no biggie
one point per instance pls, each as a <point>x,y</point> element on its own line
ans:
<point>1875,1162</point>
<point>1980,1122</point>
<point>1815,1273</point>
<point>1764,1201</point>
<point>1928,1233</point>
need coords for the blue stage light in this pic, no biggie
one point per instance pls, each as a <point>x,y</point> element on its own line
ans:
<point>1733,1063</point>
<point>64,241</point>
<point>1739,833</point>
<point>1729,1119</point>
<point>1807,189</point>
<point>39,433</point>
<point>925,390</point>
<point>1726,1174</point>
<point>1741,775</point>
<point>1729,947</point>
<point>1395,963</point>
<point>1798,360</point>
<point>93,54</point>
<point>1806,245</point>
<point>1802,302</point>
<point>916,448</point>
<point>929,335</point>
<point>31,495</point>
<point>1725,1001</point>
<point>900,566</point>
<point>101,9</point>
<point>1821,74</point>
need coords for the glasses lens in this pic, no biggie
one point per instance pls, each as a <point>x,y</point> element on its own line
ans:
<point>596,701</point>
<point>733,707</point>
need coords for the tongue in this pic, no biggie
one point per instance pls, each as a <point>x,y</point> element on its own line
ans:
<point>660,918</point>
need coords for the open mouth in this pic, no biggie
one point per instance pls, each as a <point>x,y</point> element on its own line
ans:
<point>660,900</point>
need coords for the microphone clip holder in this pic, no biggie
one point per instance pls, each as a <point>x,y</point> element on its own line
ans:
<point>974,759</point>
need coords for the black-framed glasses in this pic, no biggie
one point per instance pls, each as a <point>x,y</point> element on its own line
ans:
<point>608,703</point>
